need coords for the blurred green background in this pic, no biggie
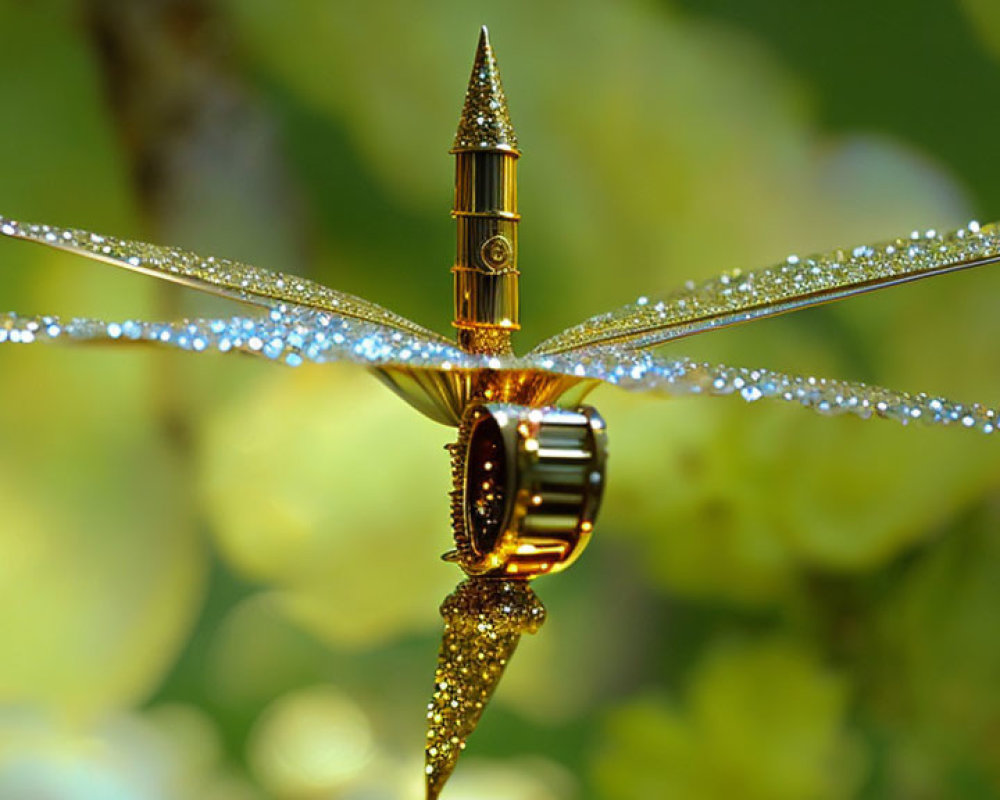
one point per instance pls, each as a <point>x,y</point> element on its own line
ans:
<point>219,578</point>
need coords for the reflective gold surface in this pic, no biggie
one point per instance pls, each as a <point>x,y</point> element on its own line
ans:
<point>485,213</point>
<point>443,395</point>
<point>527,483</point>
<point>483,622</point>
<point>485,122</point>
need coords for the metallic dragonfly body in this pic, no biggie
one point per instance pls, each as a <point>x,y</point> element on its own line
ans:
<point>528,464</point>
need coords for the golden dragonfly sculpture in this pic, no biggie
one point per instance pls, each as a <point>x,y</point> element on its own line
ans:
<point>528,465</point>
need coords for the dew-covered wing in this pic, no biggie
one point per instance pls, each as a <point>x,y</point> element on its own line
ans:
<point>640,371</point>
<point>219,276</point>
<point>798,282</point>
<point>290,335</point>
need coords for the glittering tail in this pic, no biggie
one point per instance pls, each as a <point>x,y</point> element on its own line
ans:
<point>483,622</point>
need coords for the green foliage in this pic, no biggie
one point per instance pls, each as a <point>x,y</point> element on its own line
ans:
<point>761,720</point>
<point>210,565</point>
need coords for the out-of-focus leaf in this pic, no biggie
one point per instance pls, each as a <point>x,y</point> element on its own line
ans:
<point>741,502</point>
<point>325,485</point>
<point>169,753</point>
<point>258,654</point>
<point>524,778</point>
<point>937,667</point>
<point>102,569</point>
<point>984,18</point>
<point>310,743</point>
<point>758,721</point>
<point>601,619</point>
<point>317,742</point>
<point>66,164</point>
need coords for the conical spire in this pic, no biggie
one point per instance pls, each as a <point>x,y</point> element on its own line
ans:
<point>484,619</point>
<point>485,122</point>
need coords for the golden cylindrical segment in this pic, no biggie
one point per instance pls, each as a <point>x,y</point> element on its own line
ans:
<point>486,182</point>
<point>484,300</point>
<point>479,249</point>
<point>528,484</point>
<point>485,212</point>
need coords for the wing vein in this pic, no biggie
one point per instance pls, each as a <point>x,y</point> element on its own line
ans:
<point>797,283</point>
<point>221,276</point>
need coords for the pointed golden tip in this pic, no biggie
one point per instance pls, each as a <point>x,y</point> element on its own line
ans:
<point>484,619</point>
<point>485,123</point>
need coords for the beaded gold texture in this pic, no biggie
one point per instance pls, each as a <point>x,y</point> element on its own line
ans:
<point>483,622</point>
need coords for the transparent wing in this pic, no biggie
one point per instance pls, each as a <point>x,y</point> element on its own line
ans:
<point>219,276</point>
<point>798,282</point>
<point>639,371</point>
<point>290,335</point>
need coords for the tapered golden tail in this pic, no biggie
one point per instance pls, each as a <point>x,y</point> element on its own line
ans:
<point>483,622</point>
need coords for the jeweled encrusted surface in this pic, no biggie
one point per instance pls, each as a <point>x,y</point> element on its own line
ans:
<point>797,282</point>
<point>222,276</point>
<point>295,335</point>
<point>483,622</point>
<point>485,122</point>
